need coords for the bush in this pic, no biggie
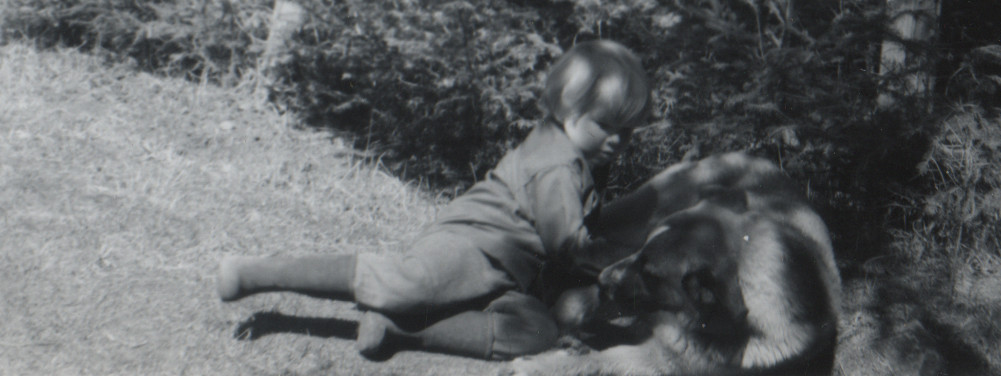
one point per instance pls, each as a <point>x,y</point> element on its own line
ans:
<point>439,90</point>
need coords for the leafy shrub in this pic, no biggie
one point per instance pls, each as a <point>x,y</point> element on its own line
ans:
<point>439,90</point>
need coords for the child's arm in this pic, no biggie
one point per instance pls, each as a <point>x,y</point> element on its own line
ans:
<point>626,220</point>
<point>557,205</point>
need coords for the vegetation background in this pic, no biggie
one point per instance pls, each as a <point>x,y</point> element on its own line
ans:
<point>129,171</point>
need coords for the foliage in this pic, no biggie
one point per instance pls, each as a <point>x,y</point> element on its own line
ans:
<point>798,82</point>
<point>951,210</point>
<point>441,89</point>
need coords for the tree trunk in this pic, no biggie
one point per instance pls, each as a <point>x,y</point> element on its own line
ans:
<point>907,72</point>
<point>287,17</point>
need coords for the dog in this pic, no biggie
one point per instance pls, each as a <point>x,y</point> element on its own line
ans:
<point>735,274</point>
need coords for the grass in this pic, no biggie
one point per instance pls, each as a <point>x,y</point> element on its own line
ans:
<point>120,191</point>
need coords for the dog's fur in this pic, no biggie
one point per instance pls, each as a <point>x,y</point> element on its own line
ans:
<point>735,275</point>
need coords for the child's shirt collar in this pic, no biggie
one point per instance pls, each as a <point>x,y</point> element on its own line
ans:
<point>548,144</point>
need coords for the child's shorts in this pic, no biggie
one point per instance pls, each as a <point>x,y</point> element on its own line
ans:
<point>439,271</point>
<point>446,273</point>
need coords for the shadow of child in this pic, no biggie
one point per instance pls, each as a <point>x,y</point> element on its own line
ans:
<point>262,324</point>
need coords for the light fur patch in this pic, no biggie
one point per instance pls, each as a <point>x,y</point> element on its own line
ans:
<point>657,231</point>
<point>812,227</point>
<point>769,301</point>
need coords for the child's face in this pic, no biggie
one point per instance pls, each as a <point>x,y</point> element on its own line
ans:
<point>597,140</point>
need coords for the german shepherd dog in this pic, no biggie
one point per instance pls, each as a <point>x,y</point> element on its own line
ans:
<point>735,274</point>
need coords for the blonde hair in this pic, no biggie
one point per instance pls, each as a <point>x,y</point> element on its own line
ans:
<point>601,77</point>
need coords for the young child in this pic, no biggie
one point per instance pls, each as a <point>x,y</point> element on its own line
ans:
<point>472,267</point>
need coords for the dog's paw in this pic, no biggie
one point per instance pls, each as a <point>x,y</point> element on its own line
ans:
<point>556,362</point>
<point>523,366</point>
<point>511,370</point>
<point>572,345</point>
<point>514,368</point>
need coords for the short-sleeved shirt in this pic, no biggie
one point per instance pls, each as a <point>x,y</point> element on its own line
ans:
<point>530,208</point>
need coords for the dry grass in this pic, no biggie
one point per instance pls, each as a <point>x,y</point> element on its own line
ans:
<point>119,191</point>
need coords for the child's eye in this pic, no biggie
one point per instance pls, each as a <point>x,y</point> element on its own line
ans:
<point>606,127</point>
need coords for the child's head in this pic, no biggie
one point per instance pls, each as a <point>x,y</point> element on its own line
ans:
<point>603,83</point>
<point>600,77</point>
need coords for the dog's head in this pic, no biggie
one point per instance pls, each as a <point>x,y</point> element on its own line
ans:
<point>688,264</point>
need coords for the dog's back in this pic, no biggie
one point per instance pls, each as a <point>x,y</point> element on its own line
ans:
<point>784,274</point>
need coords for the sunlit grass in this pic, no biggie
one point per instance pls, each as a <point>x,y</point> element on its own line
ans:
<point>119,192</point>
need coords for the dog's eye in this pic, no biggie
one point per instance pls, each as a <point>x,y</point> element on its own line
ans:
<point>659,295</point>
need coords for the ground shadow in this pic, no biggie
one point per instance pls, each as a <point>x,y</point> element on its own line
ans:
<point>262,324</point>
<point>908,319</point>
<point>959,357</point>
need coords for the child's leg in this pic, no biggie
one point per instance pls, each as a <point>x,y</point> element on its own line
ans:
<point>465,334</point>
<point>522,326</point>
<point>514,324</point>
<point>440,272</point>
<point>328,276</point>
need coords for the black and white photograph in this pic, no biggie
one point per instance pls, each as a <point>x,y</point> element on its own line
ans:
<point>500,187</point>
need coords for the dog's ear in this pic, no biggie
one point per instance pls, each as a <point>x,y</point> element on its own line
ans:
<point>626,283</point>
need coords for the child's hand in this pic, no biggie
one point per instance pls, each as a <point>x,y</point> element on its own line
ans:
<point>576,307</point>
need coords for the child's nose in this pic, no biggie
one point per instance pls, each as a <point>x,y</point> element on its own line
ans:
<point>615,140</point>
